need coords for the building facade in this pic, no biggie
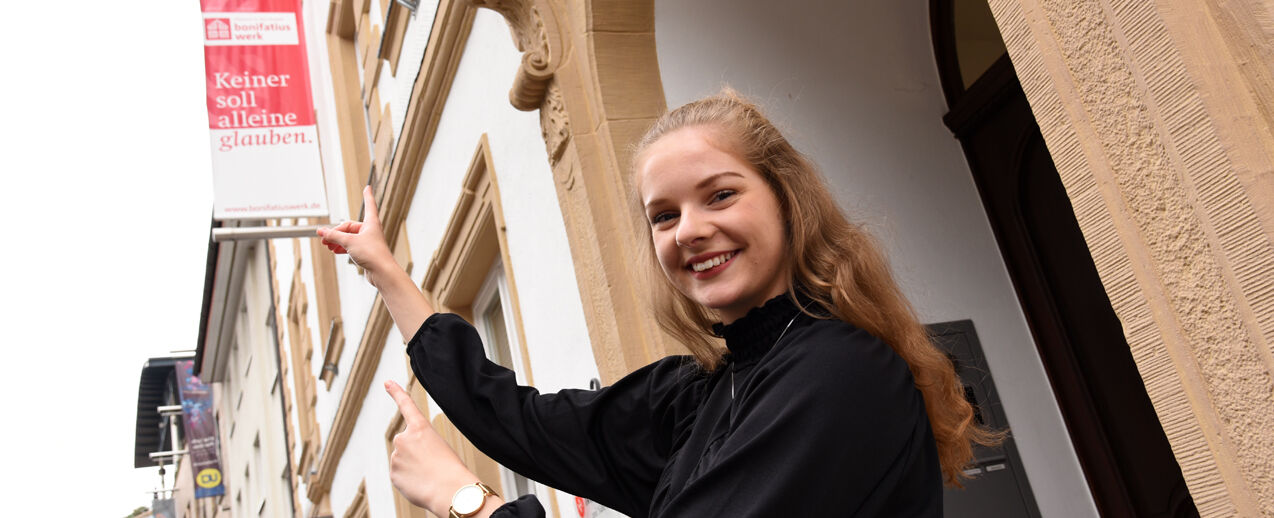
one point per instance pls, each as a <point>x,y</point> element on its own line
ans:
<point>240,357</point>
<point>1085,184</point>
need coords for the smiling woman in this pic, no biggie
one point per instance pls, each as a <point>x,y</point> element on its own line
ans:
<point>826,259</point>
<point>715,223</point>
<point>829,397</point>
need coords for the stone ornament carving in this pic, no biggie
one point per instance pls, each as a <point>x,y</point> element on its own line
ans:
<point>536,36</point>
<point>555,126</point>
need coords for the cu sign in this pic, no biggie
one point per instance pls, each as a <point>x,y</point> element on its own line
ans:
<point>208,478</point>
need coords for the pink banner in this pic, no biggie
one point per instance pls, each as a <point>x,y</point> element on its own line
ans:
<point>260,111</point>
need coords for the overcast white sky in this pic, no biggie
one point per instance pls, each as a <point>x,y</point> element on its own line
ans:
<point>106,202</point>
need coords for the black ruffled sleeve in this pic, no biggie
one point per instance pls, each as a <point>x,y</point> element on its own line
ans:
<point>524,507</point>
<point>608,445</point>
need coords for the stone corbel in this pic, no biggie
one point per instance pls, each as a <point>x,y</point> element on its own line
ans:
<point>531,83</point>
<point>536,37</point>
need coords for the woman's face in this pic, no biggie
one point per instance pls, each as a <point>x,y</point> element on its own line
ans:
<point>717,228</point>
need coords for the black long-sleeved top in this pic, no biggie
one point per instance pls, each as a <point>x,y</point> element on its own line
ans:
<point>824,420</point>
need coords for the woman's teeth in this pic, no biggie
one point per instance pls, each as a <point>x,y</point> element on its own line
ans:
<point>699,267</point>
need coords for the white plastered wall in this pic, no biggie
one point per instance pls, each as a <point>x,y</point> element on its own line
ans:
<point>365,454</point>
<point>553,318</point>
<point>365,458</point>
<point>855,86</point>
<point>552,314</point>
<point>356,295</point>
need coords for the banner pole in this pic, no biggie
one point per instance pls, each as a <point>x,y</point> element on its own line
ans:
<point>253,233</point>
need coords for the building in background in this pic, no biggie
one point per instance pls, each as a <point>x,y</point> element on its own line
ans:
<point>1076,194</point>
<point>163,439</point>
<point>239,355</point>
<point>159,433</point>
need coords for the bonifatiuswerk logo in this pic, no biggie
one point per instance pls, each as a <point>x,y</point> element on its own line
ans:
<point>217,28</point>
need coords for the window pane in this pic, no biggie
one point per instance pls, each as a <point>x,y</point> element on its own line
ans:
<point>523,485</point>
<point>499,333</point>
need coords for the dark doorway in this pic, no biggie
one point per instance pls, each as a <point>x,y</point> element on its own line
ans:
<point>1124,453</point>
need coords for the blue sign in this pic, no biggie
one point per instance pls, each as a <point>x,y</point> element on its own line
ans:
<point>201,431</point>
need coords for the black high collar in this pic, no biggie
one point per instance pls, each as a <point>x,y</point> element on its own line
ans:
<point>753,335</point>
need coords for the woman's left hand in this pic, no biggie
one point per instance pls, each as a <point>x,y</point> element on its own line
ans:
<point>423,467</point>
<point>364,241</point>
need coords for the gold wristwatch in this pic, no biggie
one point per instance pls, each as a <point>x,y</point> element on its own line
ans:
<point>469,499</point>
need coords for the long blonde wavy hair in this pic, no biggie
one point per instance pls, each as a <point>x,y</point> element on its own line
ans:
<point>836,263</point>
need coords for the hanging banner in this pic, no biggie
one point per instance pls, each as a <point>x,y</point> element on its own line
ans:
<point>201,431</point>
<point>265,156</point>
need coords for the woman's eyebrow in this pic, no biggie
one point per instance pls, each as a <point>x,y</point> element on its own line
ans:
<point>707,181</point>
<point>702,183</point>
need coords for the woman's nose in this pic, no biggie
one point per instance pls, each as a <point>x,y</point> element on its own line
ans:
<point>692,228</point>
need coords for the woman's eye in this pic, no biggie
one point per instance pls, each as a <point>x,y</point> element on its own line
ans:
<point>722,195</point>
<point>662,217</point>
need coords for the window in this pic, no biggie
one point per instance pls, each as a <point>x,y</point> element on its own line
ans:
<point>348,41</point>
<point>491,318</point>
<point>247,490</point>
<point>328,303</point>
<point>470,275</point>
<point>391,47</point>
<point>257,462</point>
<point>302,350</point>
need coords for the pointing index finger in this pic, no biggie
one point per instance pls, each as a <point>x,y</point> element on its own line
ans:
<point>370,213</point>
<point>406,406</point>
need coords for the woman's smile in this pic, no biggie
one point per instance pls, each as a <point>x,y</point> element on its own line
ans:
<point>706,266</point>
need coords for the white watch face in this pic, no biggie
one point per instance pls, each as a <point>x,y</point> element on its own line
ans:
<point>468,500</point>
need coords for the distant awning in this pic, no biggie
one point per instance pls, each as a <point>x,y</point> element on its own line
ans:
<point>152,392</point>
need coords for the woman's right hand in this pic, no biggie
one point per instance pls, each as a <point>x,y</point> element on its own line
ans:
<point>363,241</point>
<point>423,467</point>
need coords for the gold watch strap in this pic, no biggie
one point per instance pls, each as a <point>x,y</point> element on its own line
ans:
<point>486,492</point>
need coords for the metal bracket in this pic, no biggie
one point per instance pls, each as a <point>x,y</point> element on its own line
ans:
<point>253,233</point>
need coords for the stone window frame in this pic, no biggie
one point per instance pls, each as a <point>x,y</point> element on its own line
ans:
<point>358,507</point>
<point>302,351</point>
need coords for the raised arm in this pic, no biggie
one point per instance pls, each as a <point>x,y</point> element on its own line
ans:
<point>365,243</point>
<point>608,445</point>
<point>423,467</point>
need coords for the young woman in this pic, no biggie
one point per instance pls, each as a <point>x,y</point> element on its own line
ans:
<point>829,398</point>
